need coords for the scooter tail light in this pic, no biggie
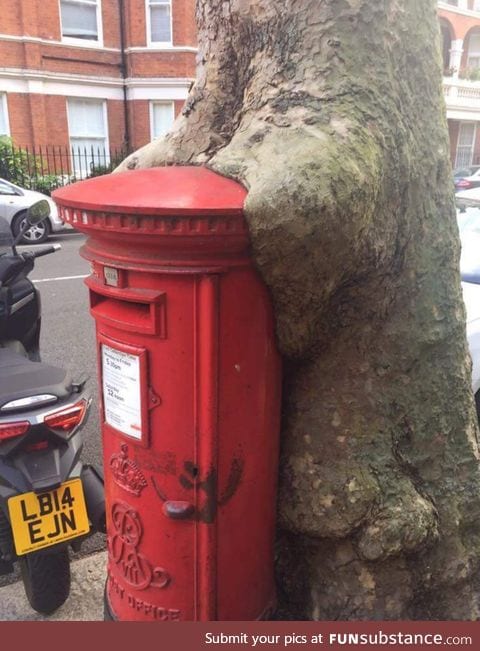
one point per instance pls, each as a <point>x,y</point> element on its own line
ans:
<point>12,430</point>
<point>65,420</point>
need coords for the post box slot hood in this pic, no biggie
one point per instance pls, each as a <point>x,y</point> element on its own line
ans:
<point>133,310</point>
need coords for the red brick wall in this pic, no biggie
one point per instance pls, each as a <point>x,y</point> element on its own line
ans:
<point>460,24</point>
<point>29,119</point>
<point>162,64</point>
<point>111,23</point>
<point>190,24</point>
<point>184,29</point>
<point>139,120</point>
<point>57,129</point>
<point>81,61</point>
<point>116,124</point>
<point>12,54</point>
<point>135,23</point>
<point>41,18</point>
<point>19,118</point>
<point>11,17</point>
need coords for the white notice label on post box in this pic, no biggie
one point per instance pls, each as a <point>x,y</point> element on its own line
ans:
<point>121,391</point>
<point>111,276</point>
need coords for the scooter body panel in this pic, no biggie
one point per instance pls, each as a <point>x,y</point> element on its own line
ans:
<point>39,454</point>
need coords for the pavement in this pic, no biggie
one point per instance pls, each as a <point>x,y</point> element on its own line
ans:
<point>85,603</point>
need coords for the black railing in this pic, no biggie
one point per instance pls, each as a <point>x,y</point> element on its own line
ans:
<point>49,167</point>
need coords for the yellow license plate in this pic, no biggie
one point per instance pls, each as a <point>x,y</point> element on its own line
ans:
<point>45,519</point>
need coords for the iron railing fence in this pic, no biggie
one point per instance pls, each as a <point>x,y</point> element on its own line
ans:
<point>46,168</point>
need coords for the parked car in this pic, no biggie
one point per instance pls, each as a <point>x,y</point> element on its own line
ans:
<point>465,178</point>
<point>469,227</point>
<point>14,202</point>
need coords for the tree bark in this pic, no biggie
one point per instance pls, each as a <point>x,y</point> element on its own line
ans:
<point>331,113</point>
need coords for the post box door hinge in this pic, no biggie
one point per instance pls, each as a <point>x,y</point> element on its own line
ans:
<point>154,400</point>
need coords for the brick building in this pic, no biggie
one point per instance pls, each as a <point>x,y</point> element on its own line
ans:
<point>110,74</point>
<point>93,73</point>
<point>460,28</point>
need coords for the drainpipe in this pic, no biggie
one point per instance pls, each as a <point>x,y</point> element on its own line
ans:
<point>124,70</point>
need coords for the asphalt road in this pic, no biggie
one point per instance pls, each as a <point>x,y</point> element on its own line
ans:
<point>68,338</point>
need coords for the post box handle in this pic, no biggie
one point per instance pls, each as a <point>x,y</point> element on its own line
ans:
<point>178,510</point>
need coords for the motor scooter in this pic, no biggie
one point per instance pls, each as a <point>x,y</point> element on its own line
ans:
<point>49,499</point>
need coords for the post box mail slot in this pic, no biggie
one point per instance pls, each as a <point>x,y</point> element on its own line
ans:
<point>135,311</point>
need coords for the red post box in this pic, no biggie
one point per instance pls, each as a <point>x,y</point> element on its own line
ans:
<point>189,379</point>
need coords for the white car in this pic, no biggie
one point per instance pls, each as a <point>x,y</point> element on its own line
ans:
<point>471,297</point>
<point>14,202</point>
<point>469,227</point>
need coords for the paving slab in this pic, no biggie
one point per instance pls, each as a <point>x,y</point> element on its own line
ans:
<point>85,603</point>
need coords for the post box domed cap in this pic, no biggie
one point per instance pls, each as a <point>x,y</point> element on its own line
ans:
<point>173,190</point>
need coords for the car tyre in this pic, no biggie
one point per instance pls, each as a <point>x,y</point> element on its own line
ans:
<point>35,234</point>
<point>46,579</point>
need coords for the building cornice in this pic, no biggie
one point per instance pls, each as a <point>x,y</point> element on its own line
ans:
<point>47,41</point>
<point>17,80</point>
<point>456,10</point>
<point>152,82</point>
<point>95,46</point>
<point>164,48</point>
<point>23,74</point>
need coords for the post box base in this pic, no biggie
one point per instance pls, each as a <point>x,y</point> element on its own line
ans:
<point>108,615</point>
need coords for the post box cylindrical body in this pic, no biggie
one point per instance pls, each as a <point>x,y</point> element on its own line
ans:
<point>189,379</point>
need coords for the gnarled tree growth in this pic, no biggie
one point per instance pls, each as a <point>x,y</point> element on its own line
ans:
<point>330,112</point>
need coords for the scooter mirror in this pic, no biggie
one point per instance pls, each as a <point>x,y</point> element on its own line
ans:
<point>37,212</point>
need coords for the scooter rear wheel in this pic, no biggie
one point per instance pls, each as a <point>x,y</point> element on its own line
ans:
<point>46,579</point>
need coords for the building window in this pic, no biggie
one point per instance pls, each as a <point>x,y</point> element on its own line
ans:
<point>80,19</point>
<point>4,127</point>
<point>87,129</point>
<point>162,115</point>
<point>465,142</point>
<point>159,21</point>
<point>473,59</point>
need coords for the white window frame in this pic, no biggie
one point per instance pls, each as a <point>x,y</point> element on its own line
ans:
<point>473,54</point>
<point>105,124</point>
<point>4,103</point>
<point>165,102</point>
<point>84,42</point>
<point>472,151</point>
<point>150,43</point>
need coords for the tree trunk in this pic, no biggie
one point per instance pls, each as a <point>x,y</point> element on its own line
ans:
<point>330,112</point>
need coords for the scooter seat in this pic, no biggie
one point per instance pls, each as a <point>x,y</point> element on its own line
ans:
<point>22,378</point>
